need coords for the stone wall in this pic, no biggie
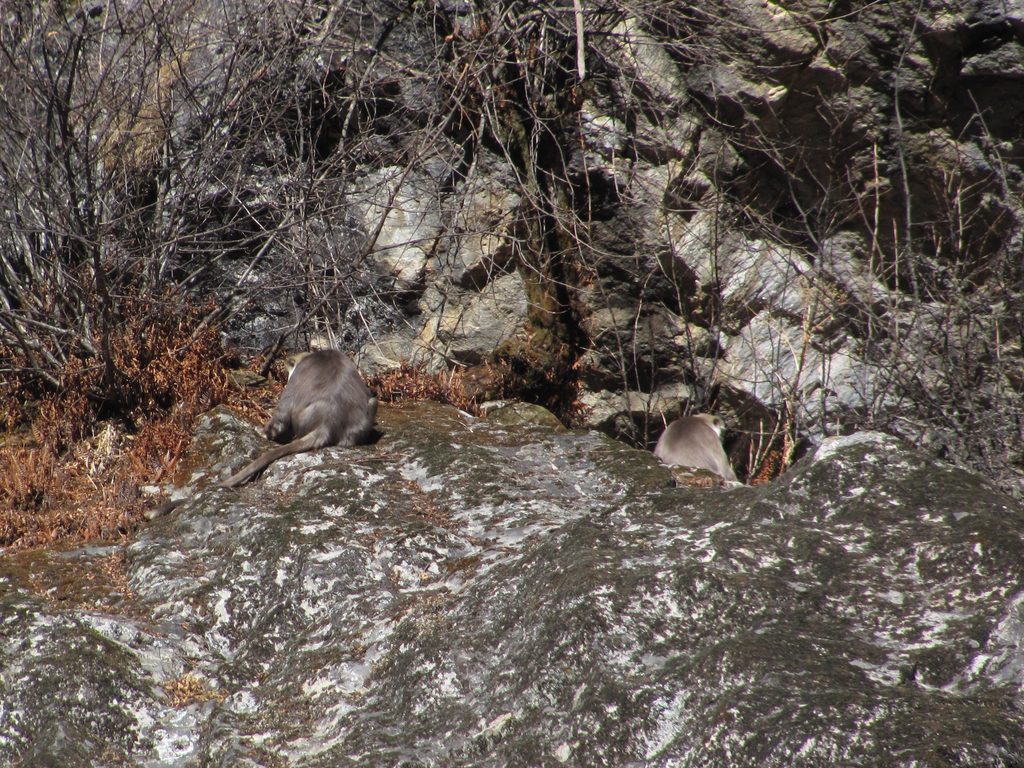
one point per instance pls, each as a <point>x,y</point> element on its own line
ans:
<point>777,194</point>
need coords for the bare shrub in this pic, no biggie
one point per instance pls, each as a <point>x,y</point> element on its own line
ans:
<point>153,155</point>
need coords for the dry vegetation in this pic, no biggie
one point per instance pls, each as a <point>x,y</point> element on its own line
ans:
<point>71,471</point>
<point>191,689</point>
<point>72,461</point>
<point>408,382</point>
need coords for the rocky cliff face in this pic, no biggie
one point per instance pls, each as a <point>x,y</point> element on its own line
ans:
<point>463,593</point>
<point>805,214</point>
<point>826,188</point>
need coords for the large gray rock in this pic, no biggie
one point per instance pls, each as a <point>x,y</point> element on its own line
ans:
<point>464,593</point>
<point>400,207</point>
<point>456,326</point>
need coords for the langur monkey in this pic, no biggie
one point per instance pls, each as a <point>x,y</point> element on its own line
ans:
<point>325,402</point>
<point>695,441</point>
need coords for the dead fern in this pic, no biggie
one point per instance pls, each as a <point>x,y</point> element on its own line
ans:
<point>409,383</point>
<point>73,467</point>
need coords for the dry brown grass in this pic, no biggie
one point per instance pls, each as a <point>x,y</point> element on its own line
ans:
<point>466,388</point>
<point>411,383</point>
<point>71,464</point>
<point>191,689</point>
<point>772,465</point>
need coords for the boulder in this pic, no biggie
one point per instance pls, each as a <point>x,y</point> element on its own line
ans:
<point>469,593</point>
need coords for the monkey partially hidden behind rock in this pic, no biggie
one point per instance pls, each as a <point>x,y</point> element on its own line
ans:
<point>325,402</point>
<point>695,441</point>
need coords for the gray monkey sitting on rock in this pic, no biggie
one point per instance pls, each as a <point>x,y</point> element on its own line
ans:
<point>325,402</point>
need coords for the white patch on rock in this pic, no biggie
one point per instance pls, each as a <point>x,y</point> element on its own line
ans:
<point>832,445</point>
<point>411,222</point>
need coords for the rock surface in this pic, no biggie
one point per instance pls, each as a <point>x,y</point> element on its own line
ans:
<point>463,593</point>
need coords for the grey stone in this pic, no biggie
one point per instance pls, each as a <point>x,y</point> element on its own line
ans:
<point>479,594</point>
<point>405,209</point>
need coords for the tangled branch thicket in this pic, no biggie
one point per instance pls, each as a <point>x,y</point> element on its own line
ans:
<point>158,156</point>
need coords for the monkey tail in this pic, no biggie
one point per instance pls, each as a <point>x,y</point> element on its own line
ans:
<point>307,442</point>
